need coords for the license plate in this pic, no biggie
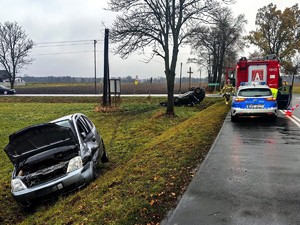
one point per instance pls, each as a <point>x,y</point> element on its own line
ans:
<point>260,106</point>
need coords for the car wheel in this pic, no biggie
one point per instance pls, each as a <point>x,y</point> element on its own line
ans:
<point>273,118</point>
<point>5,92</point>
<point>197,91</point>
<point>104,158</point>
<point>234,118</point>
<point>200,93</point>
<point>95,171</point>
<point>176,101</point>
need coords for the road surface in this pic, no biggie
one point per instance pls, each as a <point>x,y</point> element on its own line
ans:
<point>250,176</point>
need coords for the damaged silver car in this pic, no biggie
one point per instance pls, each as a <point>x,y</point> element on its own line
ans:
<point>54,158</point>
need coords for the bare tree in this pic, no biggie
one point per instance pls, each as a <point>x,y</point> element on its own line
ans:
<point>163,25</point>
<point>218,42</point>
<point>14,49</point>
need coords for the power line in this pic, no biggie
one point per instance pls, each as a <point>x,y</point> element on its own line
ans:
<point>59,42</point>
<point>65,44</point>
<point>60,45</point>
<point>63,53</point>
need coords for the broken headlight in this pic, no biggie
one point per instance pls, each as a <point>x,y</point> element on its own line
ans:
<point>17,185</point>
<point>74,164</point>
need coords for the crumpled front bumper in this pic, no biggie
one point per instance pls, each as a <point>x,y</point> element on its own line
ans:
<point>45,191</point>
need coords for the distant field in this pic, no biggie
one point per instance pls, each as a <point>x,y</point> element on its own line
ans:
<point>89,88</point>
<point>126,88</point>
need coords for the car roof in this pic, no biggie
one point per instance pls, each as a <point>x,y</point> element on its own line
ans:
<point>249,86</point>
<point>68,117</point>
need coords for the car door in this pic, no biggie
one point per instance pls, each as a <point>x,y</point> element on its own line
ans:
<point>90,137</point>
<point>284,97</point>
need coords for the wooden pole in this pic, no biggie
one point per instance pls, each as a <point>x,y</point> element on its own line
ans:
<point>106,70</point>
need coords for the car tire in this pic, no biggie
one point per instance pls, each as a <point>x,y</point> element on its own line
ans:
<point>104,158</point>
<point>95,171</point>
<point>200,94</point>
<point>234,118</point>
<point>176,101</point>
<point>5,92</point>
<point>197,91</point>
<point>273,119</point>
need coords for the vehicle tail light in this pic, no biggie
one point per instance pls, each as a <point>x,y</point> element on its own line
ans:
<point>240,99</point>
<point>270,99</point>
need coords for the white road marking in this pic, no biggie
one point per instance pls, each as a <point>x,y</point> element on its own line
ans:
<point>293,118</point>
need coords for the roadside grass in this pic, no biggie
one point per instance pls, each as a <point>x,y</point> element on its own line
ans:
<point>296,89</point>
<point>152,158</point>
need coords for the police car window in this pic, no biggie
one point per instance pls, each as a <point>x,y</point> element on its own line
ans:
<point>255,92</point>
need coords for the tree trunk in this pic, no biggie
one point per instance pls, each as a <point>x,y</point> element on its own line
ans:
<point>12,85</point>
<point>170,87</point>
<point>12,78</point>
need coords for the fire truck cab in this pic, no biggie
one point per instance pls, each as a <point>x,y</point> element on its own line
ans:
<point>263,70</point>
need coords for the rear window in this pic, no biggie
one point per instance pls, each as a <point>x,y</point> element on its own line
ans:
<point>255,92</point>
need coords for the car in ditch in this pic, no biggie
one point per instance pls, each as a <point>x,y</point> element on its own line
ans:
<point>54,158</point>
<point>190,98</point>
<point>5,90</point>
<point>254,99</point>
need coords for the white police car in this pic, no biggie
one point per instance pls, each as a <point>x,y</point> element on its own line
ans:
<point>253,100</point>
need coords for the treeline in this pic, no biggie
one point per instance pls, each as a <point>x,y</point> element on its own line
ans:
<point>127,79</point>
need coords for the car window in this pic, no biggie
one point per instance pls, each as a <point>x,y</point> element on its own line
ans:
<point>255,92</point>
<point>64,123</point>
<point>88,123</point>
<point>82,126</point>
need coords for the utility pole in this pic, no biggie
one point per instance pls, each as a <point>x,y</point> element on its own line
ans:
<point>180,78</point>
<point>106,101</point>
<point>200,79</point>
<point>95,42</point>
<point>190,77</point>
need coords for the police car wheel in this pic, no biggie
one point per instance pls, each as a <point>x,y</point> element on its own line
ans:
<point>234,118</point>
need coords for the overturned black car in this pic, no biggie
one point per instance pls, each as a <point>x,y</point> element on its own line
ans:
<point>190,98</point>
<point>54,158</point>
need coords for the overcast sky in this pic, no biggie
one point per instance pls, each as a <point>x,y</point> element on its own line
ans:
<point>82,22</point>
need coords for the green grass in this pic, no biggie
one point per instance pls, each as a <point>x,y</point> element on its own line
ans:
<point>152,158</point>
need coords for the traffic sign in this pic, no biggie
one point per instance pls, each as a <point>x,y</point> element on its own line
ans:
<point>213,84</point>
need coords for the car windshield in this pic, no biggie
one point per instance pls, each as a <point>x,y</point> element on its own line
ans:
<point>255,92</point>
<point>64,123</point>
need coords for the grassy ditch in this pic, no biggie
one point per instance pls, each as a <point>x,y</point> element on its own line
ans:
<point>152,159</point>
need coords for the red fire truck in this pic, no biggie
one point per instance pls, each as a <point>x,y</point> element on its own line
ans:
<point>261,70</point>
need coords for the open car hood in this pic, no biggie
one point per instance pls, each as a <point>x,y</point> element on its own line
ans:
<point>36,139</point>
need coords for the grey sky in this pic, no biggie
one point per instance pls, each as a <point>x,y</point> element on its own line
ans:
<point>47,21</point>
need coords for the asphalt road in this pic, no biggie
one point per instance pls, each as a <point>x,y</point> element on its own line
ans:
<point>250,176</point>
